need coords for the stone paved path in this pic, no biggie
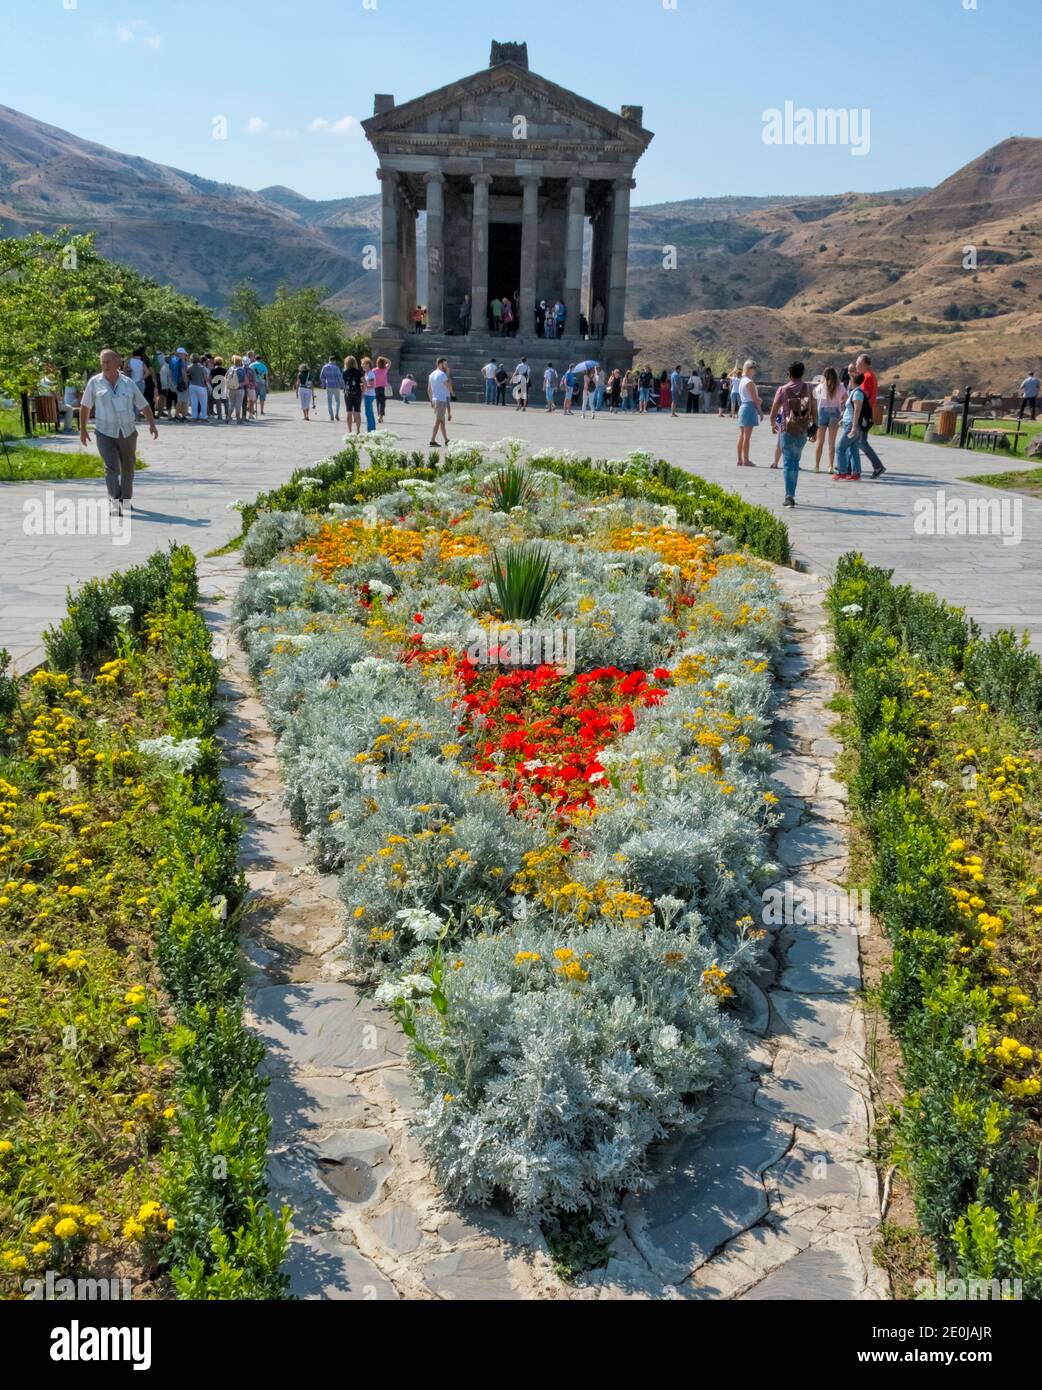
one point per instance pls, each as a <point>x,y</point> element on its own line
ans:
<point>772,1197</point>
<point>195,471</point>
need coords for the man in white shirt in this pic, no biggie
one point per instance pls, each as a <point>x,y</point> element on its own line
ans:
<point>115,399</point>
<point>488,371</point>
<point>439,393</point>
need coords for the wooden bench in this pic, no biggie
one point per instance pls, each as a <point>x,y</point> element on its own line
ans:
<point>993,436</point>
<point>904,420</point>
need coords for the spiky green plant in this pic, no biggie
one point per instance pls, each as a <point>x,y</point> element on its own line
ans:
<point>511,487</point>
<point>522,582</point>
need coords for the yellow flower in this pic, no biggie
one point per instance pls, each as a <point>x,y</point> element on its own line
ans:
<point>41,1247</point>
<point>133,1022</point>
<point>66,1228</point>
<point>5,1146</point>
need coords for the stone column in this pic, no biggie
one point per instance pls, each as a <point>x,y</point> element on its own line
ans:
<point>620,248</point>
<point>390,290</point>
<point>573,255</point>
<point>529,251</point>
<point>409,213</point>
<point>435,251</point>
<point>479,252</point>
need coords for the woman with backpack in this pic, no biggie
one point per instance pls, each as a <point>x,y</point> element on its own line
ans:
<point>235,388</point>
<point>749,411</point>
<point>304,388</point>
<point>830,395</point>
<point>792,418</point>
<point>353,394</point>
<point>848,445</point>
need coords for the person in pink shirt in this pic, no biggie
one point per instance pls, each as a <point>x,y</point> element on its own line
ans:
<point>381,372</point>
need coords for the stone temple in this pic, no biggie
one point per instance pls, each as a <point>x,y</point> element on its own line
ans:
<point>526,189</point>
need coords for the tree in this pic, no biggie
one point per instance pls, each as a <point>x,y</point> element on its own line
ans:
<point>295,327</point>
<point>47,313</point>
<point>60,303</point>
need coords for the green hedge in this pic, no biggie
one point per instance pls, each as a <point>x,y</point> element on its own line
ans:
<point>970,1152</point>
<point>227,1242</point>
<point>1001,669</point>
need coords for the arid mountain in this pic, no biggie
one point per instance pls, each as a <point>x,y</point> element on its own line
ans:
<point>204,237</point>
<point>941,285</point>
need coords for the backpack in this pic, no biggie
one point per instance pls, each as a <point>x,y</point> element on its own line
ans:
<point>867,418</point>
<point>796,417</point>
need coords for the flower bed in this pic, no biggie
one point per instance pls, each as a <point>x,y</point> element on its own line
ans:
<point>945,728</point>
<point>132,1133</point>
<point>549,821</point>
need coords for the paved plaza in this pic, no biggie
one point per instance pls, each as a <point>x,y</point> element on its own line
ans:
<point>196,471</point>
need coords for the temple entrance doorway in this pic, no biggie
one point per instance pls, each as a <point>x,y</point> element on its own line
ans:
<point>504,260</point>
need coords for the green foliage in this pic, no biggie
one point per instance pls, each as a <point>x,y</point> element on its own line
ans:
<point>87,634</point>
<point>1000,670</point>
<point>295,327</point>
<point>966,1147</point>
<point>61,302</point>
<point>8,692</point>
<point>523,582</point>
<point>511,486</point>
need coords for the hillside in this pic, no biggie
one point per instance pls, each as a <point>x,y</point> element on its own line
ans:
<point>885,271</point>
<point>763,276</point>
<point>202,236</point>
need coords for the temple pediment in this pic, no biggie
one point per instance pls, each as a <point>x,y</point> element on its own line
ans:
<point>493,105</point>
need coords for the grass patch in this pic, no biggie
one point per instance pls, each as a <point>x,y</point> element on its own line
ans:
<point>905,1254</point>
<point>1027,480</point>
<point>23,464</point>
<point>229,547</point>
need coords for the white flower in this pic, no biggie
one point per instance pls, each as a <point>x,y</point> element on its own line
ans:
<point>415,985</point>
<point>959,709</point>
<point>370,663</point>
<point>424,925</point>
<point>851,609</point>
<point>377,586</point>
<point>388,992</point>
<point>610,569</point>
<point>121,613</point>
<point>938,785</point>
<point>959,685</point>
<point>309,482</point>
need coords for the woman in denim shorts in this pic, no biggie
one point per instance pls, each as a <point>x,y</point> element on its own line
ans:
<point>831,395</point>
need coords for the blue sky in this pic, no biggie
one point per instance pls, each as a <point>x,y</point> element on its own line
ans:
<point>949,78</point>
